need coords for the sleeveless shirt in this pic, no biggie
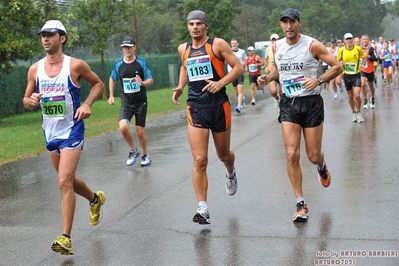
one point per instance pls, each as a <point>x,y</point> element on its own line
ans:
<point>295,62</point>
<point>202,64</point>
<point>253,68</point>
<point>60,100</point>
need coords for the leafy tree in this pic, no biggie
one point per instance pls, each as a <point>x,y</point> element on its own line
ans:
<point>155,22</point>
<point>326,19</point>
<point>221,14</point>
<point>99,19</point>
<point>17,40</point>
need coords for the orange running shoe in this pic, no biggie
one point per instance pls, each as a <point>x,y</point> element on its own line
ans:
<point>324,176</point>
<point>301,214</point>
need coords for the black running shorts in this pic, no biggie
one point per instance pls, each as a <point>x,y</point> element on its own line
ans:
<point>253,79</point>
<point>239,80</point>
<point>306,111</point>
<point>217,119</point>
<point>139,111</point>
<point>369,76</point>
<point>352,81</point>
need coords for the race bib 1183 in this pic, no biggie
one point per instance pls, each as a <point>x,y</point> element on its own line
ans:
<point>199,68</point>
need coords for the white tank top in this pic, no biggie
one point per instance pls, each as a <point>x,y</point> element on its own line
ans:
<point>60,99</point>
<point>294,62</point>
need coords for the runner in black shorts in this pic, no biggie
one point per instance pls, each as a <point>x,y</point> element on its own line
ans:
<point>208,107</point>
<point>301,106</point>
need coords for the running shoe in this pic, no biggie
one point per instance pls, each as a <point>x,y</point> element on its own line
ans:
<point>95,209</point>
<point>146,160</point>
<point>202,216</point>
<point>372,103</point>
<point>354,118</point>
<point>277,102</point>
<point>133,154</point>
<point>63,245</point>
<point>365,105</point>
<point>238,109</point>
<point>231,184</point>
<point>359,117</point>
<point>253,102</point>
<point>324,175</point>
<point>335,96</point>
<point>301,214</point>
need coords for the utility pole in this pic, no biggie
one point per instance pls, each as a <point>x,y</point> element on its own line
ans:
<point>245,24</point>
<point>135,29</point>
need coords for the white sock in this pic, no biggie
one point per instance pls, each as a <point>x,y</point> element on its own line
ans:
<point>230,175</point>
<point>203,204</point>
<point>299,199</point>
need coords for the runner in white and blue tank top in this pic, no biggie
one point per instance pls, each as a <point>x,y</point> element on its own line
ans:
<point>60,99</point>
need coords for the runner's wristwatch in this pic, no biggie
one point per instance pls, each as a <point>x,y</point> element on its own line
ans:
<point>320,79</point>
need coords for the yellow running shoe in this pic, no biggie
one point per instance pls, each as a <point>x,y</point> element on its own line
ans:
<point>63,245</point>
<point>95,210</point>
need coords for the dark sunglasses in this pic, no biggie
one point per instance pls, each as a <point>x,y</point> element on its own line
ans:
<point>348,39</point>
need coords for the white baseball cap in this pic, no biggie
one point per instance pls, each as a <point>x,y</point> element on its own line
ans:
<point>53,26</point>
<point>274,36</point>
<point>251,48</point>
<point>348,35</point>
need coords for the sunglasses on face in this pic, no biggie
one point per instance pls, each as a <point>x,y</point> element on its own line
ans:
<point>348,39</point>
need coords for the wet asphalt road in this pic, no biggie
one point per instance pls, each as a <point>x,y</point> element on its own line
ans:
<point>148,212</point>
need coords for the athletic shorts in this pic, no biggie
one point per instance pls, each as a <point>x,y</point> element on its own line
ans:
<point>217,119</point>
<point>57,144</point>
<point>324,68</point>
<point>253,79</point>
<point>387,64</point>
<point>139,111</point>
<point>369,76</point>
<point>352,81</point>
<point>239,80</point>
<point>307,111</point>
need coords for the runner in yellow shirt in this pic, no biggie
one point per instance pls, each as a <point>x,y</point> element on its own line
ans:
<point>269,63</point>
<point>351,57</point>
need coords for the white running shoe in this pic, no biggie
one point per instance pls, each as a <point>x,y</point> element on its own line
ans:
<point>202,216</point>
<point>335,96</point>
<point>359,117</point>
<point>133,154</point>
<point>354,117</point>
<point>372,103</point>
<point>231,184</point>
<point>146,160</point>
